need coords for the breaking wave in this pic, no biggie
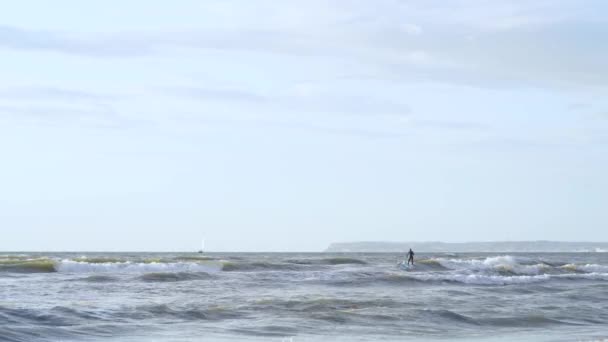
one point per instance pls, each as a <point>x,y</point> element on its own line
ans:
<point>230,266</point>
<point>586,268</point>
<point>328,261</point>
<point>509,265</point>
<point>71,266</point>
<point>27,265</point>
<point>367,297</point>
<point>495,270</point>
<point>98,266</point>
<point>501,270</point>
<point>501,264</point>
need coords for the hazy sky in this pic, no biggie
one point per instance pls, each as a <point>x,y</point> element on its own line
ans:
<point>287,125</point>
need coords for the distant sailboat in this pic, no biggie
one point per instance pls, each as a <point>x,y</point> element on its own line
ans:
<point>202,250</point>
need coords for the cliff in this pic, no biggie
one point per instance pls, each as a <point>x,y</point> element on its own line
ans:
<point>463,247</point>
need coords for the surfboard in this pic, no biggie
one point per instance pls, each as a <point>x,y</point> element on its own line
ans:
<point>404,265</point>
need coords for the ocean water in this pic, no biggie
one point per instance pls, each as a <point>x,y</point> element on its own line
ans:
<point>302,297</point>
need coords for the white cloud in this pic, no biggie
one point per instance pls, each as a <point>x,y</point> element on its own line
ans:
<point>471,42</point>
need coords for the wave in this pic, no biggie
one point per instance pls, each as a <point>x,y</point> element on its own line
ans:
<point>501,270</point>
<point>496,280</point>
<point>366,278</point>
<point>586,268</point>
<point>194,258</point>
<point>429,265</point>
<point>116,265</point>
<point>330,304</point>
<point>57,323</point>
<point>480,279</point>
<point>27,266</point>
<point>484,279</point>
<point>409,278</point>
<point>308,264</point>
<point>199,266</point>
<point>508,265</point>
<point>496,270</point>
<point>328,261</point>
<point>334,310</point>
<point>230,266</point>
<point>187,313</point>
<point>71,266</point>
<point>118,260</point>
<point>63,316</point>
<point>523,321</point>
<point>98,279</point>
<point>173,276</point>
<point>448,315</point>
<point>471,279</point>
<point>500,322</point>
<point>99,260</point>
<point>50,317</point>
<point>501,264</point>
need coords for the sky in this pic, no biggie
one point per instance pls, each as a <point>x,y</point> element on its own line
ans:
<point>288,125</point>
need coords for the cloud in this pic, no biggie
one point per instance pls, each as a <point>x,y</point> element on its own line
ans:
<point>97,116</point>
<point>296,101</point>
<point>95,45</point>
<point>50,93</point>
<point>477,43</point>
<point>372,133</point>
<point>214,94</point>
<point>352,114</point>
<point>47,105</point>
<point>577,106</point>
<point>54,113</point>
<point>452,125</point>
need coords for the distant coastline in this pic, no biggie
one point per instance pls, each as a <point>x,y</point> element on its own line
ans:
<point>464,247</point>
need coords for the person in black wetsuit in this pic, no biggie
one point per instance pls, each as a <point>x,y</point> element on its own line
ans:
<point>410,257</point>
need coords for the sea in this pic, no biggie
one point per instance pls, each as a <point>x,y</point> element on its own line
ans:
<point>291,297</point>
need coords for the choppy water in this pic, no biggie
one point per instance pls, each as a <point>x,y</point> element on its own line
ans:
<point>302,297</point>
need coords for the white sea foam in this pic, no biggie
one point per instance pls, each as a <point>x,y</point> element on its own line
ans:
<point>71,266</point>
<point>482,279</point>
<point>518,270</point>
<point>587,268</point>
<point>500,263</point>
<point>486,263</point>
<point>586,276</point>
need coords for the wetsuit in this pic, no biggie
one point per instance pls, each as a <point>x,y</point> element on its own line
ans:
<point>410,257</point>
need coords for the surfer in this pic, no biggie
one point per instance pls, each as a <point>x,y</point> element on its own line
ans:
<point>410,257</point>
